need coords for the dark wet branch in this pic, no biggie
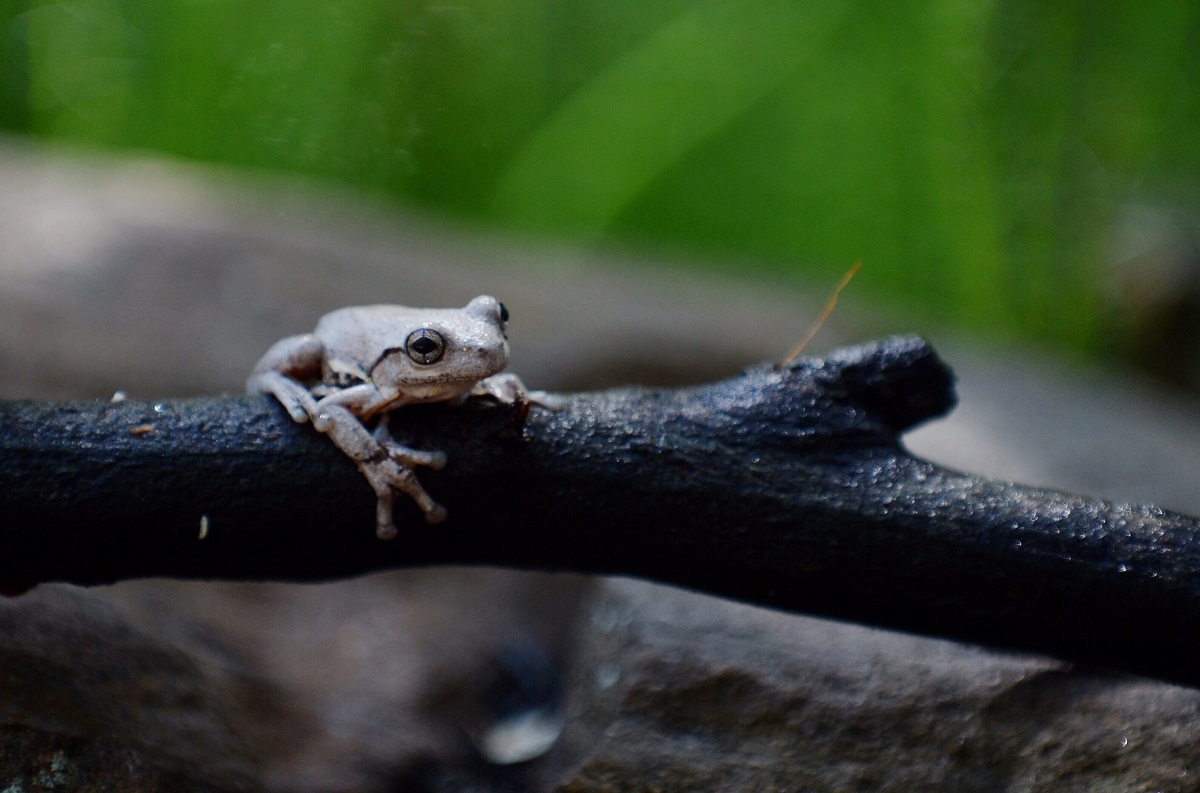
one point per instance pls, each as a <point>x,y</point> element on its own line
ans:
<point>786,488</point>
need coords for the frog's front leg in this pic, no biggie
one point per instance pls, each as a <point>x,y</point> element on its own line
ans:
<point>508,388</point>
<point>386,465</point>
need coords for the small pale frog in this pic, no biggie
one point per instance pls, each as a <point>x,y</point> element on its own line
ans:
<point>365,361</point>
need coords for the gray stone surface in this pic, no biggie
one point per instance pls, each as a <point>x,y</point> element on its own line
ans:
<point>674,691</point>
<point>362,685</point>
<point>85,693</point>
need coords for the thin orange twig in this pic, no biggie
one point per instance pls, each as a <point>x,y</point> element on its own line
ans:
<point>794,353</point>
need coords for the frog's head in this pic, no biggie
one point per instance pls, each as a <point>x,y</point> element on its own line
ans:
<point>446,352</point>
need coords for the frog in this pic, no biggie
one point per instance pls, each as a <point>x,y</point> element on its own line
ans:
<point>361,363</point>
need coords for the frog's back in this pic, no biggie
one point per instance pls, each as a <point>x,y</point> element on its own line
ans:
<point>362,333</point>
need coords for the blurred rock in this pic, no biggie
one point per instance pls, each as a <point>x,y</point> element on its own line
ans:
<point>395,672</point>
<point>88,699</point>
<point>43,760</point>
<point>356,686</point>
<point>674,691</point>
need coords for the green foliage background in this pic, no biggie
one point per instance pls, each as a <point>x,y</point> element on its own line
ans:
<point>973,155</point>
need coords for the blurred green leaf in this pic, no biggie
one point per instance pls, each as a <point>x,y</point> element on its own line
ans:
<point>640,116</point>
<point>976,156</point>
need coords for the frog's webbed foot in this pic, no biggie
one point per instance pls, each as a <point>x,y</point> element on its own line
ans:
<point>509,389</point>
<point>386,476</point>
<point>387,465</point>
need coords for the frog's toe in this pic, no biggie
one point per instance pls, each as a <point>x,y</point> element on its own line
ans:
<point>389,476</point>
<point>410,457</point>
<point>546,400</point>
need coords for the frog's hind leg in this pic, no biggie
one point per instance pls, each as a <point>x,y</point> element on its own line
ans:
<point>281,370</point>
<point>387,467</point>
<point>295,398</point>
<point>386,476</point>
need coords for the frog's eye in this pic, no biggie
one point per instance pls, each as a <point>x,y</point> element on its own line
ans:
<point>503,313</point>
<point>425,346</point>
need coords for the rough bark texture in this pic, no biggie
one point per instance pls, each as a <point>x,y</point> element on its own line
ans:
<point>783,487</point>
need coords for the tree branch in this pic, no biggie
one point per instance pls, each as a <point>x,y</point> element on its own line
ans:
<point>786,487</point>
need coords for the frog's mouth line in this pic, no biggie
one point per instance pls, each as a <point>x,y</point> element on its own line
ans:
<point>408,398</point>
<point>373,412</point>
